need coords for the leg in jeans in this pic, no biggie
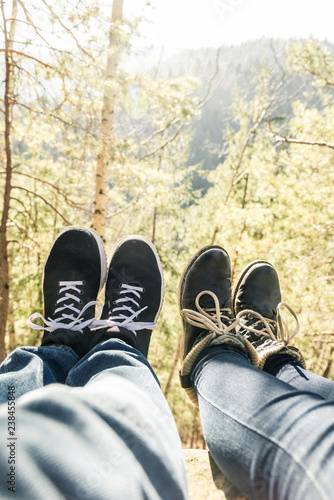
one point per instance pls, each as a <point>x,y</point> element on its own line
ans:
<point>272,440</point>
<point>29,368</point>
<point>107,434</point>
<point>74,273</point>
<point>292,372</point>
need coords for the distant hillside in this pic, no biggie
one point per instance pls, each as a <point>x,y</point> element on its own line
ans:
<point>238,65</point>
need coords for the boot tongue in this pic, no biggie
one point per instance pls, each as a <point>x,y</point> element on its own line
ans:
<point>206,302</point>
<point>69,303</point>
<point>256,323</point>
<point>132,282</point>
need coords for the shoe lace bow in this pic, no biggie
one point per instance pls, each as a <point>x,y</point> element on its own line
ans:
<point>269,325</point>
<point>216,320</point>
<point>126,311</point>
<point>71,317</point>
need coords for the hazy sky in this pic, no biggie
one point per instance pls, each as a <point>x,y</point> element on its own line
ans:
<point>181,24</point>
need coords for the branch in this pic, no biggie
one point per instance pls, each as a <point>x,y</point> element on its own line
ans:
<point>21,228</point>
<point>317,334</point>
<point>12,51</point>
<point>273,49</point>
<point>168,141</point>
<point>51,115</point>
<point>59,191</point>
<point>67,29</point>
<point>28,214</point>
<point>209,96</point>
<point>171,122</point>
<point>251,132</point>
<point>316,74</point>
<point>43,199</point>
<point>283,139</point>
<point>31,23</point>
<point>124,209</point>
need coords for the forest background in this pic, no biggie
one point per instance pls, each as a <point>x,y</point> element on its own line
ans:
<point>233,146</point>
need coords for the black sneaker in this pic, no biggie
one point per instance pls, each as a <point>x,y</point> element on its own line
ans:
<point>256,302</point>
<point>134,292</point>
<point>205,308</point>
<point>74,273</point>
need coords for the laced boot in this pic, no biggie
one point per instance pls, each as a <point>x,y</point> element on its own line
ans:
<point>74,273</point>
<point>205,308</point>
<point>134,292</point>
<point>256,302</point>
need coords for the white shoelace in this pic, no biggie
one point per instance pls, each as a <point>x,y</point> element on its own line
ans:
<point>212,322</point>
<point>71,317</point>
<point>125,313</point>
<point>283,329</point>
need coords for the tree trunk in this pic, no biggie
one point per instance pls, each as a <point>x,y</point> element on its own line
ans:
<point>8,104</point>
<point>109,99</point>
<point>11,322</point>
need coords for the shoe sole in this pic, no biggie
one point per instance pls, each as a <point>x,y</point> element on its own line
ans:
<point>241,277</point>
<point>188,267</point>
<point>150,244</point>
<point>102,252</point>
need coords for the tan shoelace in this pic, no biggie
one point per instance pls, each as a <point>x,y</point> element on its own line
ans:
<point>212,322</point>
<point>283,329</point>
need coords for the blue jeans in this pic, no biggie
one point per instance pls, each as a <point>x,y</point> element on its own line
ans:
<point>95,428</point>
<point>271,434</point>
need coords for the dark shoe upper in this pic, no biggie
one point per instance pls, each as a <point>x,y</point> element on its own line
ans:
<point>256,302</point>
<point>134,289</point>
<point>209,270</point>
<point>205,308</point>
<point>74,274</point>
<point>257,289</point>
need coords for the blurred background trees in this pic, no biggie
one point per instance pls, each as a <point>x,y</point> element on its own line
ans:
<point>234,147</point>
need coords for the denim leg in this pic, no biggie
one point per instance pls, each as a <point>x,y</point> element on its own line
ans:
<point>271,440</point>
<point>28,368</point>
<point>112,436</point>
<point>291,371</point>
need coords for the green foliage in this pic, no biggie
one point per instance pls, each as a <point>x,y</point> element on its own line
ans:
<point>313,58</point>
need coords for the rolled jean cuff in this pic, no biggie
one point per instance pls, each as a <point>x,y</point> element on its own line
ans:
<point>274,363</point>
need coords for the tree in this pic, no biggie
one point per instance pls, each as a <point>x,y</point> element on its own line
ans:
<point>105,154</point>
<point>35,96</point>
<point>8,31</point>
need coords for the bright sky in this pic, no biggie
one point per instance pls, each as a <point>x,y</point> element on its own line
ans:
<point>179,24</point>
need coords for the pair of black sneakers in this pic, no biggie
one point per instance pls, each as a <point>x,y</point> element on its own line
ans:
<point>76,271</point>
<point>248,317</point>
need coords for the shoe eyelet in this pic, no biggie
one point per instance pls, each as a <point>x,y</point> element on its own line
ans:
<point>81,292</point>
<point>143,290</point>
<point>83,282</point>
